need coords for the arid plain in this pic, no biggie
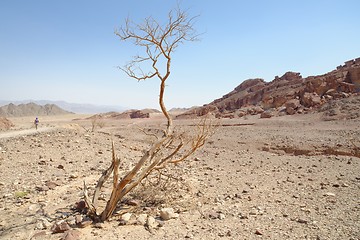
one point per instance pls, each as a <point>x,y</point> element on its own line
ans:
<point>287,177</point>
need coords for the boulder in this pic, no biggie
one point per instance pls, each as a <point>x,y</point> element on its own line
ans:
<point>311,99</point>
<point>292,105</point>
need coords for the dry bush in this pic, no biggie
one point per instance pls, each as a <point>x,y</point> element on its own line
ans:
<point>165,153</point>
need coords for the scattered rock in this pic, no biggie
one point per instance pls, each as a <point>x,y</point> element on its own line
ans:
<point>221,216</point>
<point>142,218</point>
<point>60,227</point>
<point>151,222</point>
<point>168,213</point>
<point>126,217</point>
<point>43,224</point>
<point>60,166</point>
<point>80,206</point>
<point>85,223</point>
<point>51,185</point>
<point>266,114</point>
<point>213,215</point>
<point>74,175</point>
<point>78,219</point>
<point>330,194</point>
<point>71,235</point>
<point>133,202</point>
<point>303,221</point>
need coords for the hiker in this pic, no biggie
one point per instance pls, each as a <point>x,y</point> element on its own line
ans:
<point>36,122</point>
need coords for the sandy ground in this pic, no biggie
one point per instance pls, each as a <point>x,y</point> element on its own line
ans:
<point>290,177</point>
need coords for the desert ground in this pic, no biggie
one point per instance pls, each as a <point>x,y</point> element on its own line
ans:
<point>288,177</point>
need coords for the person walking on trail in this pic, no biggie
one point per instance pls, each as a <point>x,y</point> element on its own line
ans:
<point>36,122</point>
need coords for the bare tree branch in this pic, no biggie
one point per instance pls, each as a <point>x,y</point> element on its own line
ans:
<point>158,42</point>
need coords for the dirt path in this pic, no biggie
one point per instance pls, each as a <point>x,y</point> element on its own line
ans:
<point>30,131</point>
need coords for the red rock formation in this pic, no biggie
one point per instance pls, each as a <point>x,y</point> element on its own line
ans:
<point>290,93</point>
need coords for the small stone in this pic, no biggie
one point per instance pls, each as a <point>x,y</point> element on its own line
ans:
<point>60,166</point>
<point>85,223</point>
<point>189,235</point>
<point>213,215</point>
<point>253,212</point>
<point>46,223</point>
<point>242,216</point>
<point>60,227</point>
<point>303,221</point>
<point>257,232</point>
<point>126,217</point>
<point>151,222</point>
<point>221,216</point>
<point>51,185</point>
<point>40,226</point>
<point>142,218</point>
<point>78,219</point>
<point>74,175</point>
<point>80,206</point>
<point>71,235</point>
<point>330,194</point>
<point>168,213</point>
<point>133,202</point>
<point>71,220</point>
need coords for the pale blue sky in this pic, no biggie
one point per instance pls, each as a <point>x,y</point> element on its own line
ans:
<point>67,50</point>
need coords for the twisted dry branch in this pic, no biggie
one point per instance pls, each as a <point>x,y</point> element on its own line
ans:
<point>171,148</point>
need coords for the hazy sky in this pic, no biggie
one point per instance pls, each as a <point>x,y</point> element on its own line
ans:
<point>67,49</point>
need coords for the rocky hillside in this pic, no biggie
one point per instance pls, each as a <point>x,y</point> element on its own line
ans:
<point>129,114</point>
<point>5,123</point>
<point>30,109</point>
<point>288,94</point>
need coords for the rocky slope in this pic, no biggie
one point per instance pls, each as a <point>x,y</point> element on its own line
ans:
<point>288,94</point>
<point>30,109</point>
<point>129,114</point>
<point>5,123</point>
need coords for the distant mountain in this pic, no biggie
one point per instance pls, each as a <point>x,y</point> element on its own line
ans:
<point>71,107</point>
<point>31,109</point>
<point>288,94</point>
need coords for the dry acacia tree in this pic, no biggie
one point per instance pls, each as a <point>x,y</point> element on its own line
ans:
<point>170,147</point>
